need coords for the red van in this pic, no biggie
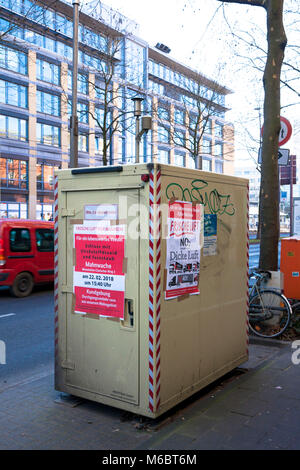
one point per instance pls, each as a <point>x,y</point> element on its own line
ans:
<point>26,254</point>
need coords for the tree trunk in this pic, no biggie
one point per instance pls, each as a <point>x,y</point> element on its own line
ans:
<point>269,197</point>
<point>269,194</point>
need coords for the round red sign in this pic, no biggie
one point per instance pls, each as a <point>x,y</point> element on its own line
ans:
<point>285,131</point>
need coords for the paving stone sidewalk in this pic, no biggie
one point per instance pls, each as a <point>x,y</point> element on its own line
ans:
<point>255,407</point>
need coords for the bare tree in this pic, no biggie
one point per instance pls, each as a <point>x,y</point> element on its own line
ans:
<point>113,83</point>
<point>199,106</point>
<point>27,11</point>
<point>269,198</point>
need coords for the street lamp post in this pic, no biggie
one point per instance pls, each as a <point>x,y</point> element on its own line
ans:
<point>137,113</point>
<point>74,117</point>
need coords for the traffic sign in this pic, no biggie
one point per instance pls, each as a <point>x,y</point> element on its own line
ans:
<point>283,156</point>
<point>285,131</point>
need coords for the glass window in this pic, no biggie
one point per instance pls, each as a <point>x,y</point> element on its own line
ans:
<point>2,126</point>
<point>179,116</point>
<point>218,149</point>
<point>163,134</point>
<point>48,72</point>
<point>206,146</point>
<point>179,138</point>
<point>218,130</point>
<point>49,18</point>
<point>48,103</point>
<point>13,128</point>
<point>164,156</point>
<point>19,240</point>
<point>45,177</point>
<point>60,48</point>
<point>163,113</point>
<point>208,126</point>
<point>179,159</point>
<point>49,44</point>
<point>23,125</point>
<point>48,135</point>
<point>4,24</point>
<point>83,112</point>
<point>68,28</point>
<point>3,170</point>
<point>135,63</point>
<point>44,239</point>
<point>206,164</point>
<point>13,94</point>
<point>2,91</point>
<point>60,23</point>
<point>12,59</point>
<point>98,143</point>
<point>82,84</point>
<point>190,162</point>
<point>150,66</point>
<point>218,166</point>
<point>13,173</point>
<point>83,143</point>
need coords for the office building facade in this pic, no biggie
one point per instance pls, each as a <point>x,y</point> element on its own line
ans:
<point>35,102</point>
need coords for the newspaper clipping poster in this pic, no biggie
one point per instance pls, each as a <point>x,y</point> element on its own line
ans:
<point>185,230</point>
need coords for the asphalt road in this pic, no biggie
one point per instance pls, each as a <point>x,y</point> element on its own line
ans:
<point>26,327</point>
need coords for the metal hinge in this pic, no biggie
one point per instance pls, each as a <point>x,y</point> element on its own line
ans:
<point>66,289</point>
<point>67,212</point>
<point>68,365</point>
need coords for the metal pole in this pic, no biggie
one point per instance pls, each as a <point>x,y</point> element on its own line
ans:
<point>137,140</point>
<point>74,118</point>
<point>291,194</point>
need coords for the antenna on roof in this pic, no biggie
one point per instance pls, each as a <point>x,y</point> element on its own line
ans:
<point>163,48</point>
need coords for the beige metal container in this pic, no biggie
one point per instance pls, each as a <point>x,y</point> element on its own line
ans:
<point>164,350</point>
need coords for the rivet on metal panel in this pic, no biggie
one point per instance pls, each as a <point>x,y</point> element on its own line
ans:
<point>67,212</point>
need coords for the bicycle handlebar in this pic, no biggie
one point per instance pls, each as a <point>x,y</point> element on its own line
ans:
<point>260,274</point>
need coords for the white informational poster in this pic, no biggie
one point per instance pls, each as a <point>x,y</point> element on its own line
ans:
<point>210,235</point>
<point>101,212</point>
<point>296,227</point>
<point>185,230</point>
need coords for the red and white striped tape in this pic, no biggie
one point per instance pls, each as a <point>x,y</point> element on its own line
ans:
<point>56,267</point>
<point>247,254</point>
<point>154,289</point>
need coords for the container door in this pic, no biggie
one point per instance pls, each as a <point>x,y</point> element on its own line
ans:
<point>44,248</point>
<point>102,354</point>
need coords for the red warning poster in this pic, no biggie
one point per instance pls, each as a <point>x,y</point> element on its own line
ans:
<point>185,226</point>
<point>99,280</point>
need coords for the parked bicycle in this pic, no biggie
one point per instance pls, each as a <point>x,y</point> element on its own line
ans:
<point>269,310</point>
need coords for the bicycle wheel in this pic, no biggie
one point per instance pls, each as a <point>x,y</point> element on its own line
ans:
<point>296,309</point>
<point>269,313</point>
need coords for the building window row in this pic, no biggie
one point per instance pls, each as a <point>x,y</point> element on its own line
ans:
<point>13,210</point>
<point>13,94</point>
<point>13,173</point>
<point>51,45</point>
<point>54,21</point>
<point>45,176</point>
<point>166,73</point>
<point>48,103</point>
<point>12,59</point>
<point>13,128</point>
<point>82,83</point>
<point>47,134</point>
<point>47,72</point>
